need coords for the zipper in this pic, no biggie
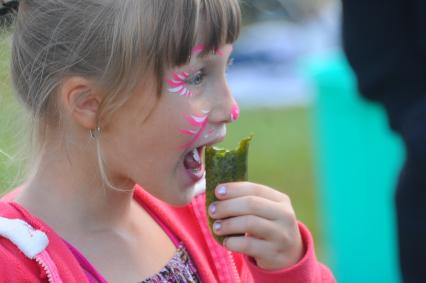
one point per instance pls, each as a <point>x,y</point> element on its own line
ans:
<point>45,269</point>
<point>234,268</point>
<point>46,263</point>
<point>43,258</point>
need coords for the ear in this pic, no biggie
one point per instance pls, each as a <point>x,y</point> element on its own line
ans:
<point>81,100</point>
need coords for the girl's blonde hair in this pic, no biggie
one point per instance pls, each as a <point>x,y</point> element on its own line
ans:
<point>113,42</point>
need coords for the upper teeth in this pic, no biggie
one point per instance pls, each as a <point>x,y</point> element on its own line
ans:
<point>196,155</point>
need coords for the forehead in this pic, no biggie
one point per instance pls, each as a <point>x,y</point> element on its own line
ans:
<point>198,51</point>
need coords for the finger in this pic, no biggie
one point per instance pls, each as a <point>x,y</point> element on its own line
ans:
<point>249,205</point>
<point>239,189</point>
<point>256,227</point>
<point>249,246</point>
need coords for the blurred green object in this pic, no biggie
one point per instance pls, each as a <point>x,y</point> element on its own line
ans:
<point>358,160</point>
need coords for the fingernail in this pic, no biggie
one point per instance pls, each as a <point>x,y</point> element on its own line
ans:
<point>221,190</point>
<point>217,226</point>
<point>212,208</point>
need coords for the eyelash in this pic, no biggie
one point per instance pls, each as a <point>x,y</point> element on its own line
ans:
<point>192,80</point>
<point>198,77</point>
<point>201,74</point>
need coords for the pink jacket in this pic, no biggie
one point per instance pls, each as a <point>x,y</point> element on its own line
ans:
<point>36,253</point>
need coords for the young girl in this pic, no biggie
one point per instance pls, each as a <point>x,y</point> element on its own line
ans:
<point>124,95</point>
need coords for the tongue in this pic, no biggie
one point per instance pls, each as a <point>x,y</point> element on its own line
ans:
<point>192,160</point>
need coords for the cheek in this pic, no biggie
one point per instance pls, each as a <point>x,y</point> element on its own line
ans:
<point>174,120</point>
<point>186,121</point>
<point>195,127</point>
<point>177,86</point>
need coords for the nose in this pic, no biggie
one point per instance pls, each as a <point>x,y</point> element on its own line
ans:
<point>225,109</point>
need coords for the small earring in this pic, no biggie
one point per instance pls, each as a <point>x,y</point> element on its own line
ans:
<point>94,133</point>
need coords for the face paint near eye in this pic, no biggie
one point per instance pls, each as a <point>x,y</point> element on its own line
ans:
<point>218,52</point>
<point>178,84</point>
<point>200,48</point>
<point>181,80</point>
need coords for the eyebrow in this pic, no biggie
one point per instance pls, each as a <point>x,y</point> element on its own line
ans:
<point>198,49</point>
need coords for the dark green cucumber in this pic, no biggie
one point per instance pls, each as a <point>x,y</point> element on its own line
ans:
<point>224,166</point>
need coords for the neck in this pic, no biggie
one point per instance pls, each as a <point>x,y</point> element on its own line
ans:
<point>68,191</point>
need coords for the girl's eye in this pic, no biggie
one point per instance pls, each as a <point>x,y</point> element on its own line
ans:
<point>195,79</point>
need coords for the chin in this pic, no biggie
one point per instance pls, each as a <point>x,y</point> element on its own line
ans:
<point>183,198</point>
<point>178,197</point>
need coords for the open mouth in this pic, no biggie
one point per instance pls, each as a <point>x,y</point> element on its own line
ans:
<point>193,160</point>
<point>193,163</point>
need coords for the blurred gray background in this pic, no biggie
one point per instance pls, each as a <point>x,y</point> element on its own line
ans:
<point>278,36</point>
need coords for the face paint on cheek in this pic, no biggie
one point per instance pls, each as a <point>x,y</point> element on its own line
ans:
<point>200,123</point>
<point>235,112</point>
<point>178,85</point>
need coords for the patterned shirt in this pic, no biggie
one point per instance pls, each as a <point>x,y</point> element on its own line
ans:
<point>180,269</point>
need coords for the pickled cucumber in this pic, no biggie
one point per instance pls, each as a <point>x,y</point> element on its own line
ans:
<point>224,166</point>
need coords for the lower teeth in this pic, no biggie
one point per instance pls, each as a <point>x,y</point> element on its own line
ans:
<point>197,172</point>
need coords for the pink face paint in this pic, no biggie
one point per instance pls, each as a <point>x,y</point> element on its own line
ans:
<point>219,52</point>
<point>200,123</point>
<point>198,49</point>
<point>188,132</point>
<point>235,112</point>
<point>178,85</point>
<point>196,120</point>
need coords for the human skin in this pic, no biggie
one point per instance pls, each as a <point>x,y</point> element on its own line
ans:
<point>139,145</point>
<point>142,144</point>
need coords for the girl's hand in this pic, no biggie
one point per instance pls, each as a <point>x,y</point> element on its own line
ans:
<point>266,218</point>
